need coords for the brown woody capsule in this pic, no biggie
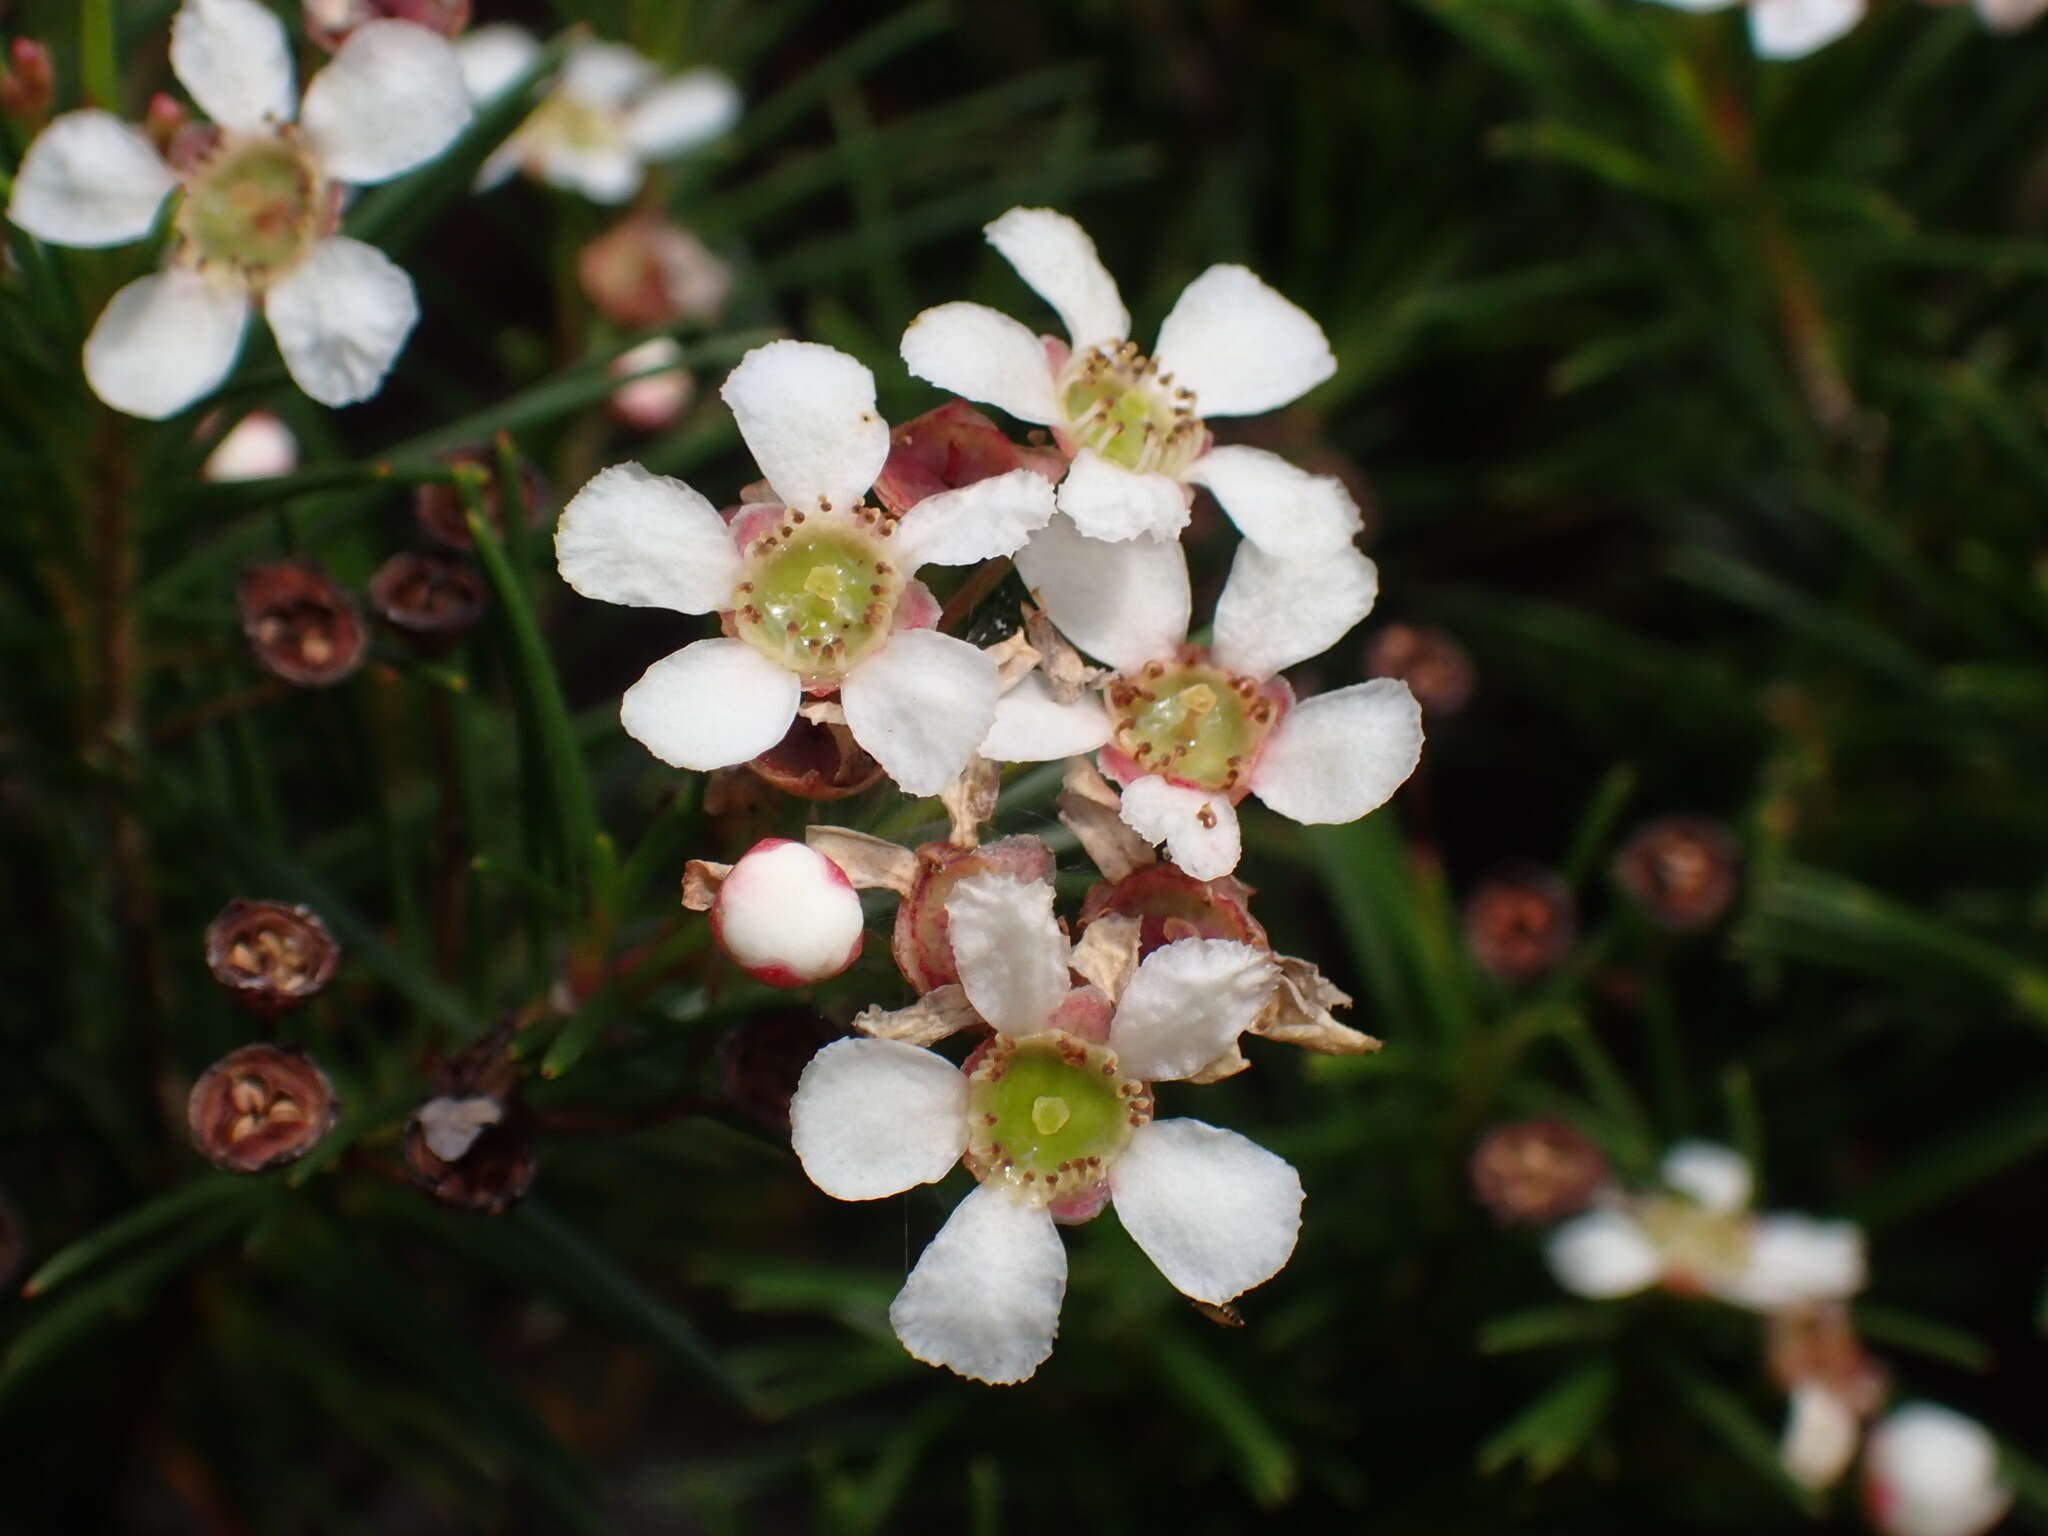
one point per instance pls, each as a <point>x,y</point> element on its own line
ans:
<point>760,1061</point>
<point>1171,904</point>
<point>473,1151</point>
<point>329,23</point>
<point>947,448</point>
<point>271,955</point>
<point>301,625</point>
<point>647,271</point>
<point>1521,925</point>
<point>817,762</point>
<point>260,1107</point>
<point>1536,1171</point>
<point>1682,870</point>
<point>1435,667</point>
<point>435,599</point>
<point>438,509</point>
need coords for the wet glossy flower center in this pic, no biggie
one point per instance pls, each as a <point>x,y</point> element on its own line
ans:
<point>817,600</point>
<point>1194,723</point>
<point>252,207</point>
<point>1048,1114</point>
<point>1118,403</point>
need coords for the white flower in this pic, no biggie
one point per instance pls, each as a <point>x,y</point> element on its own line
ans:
<point>1789,29</point>
<point>258,447</point>
<point>1191,732</point>
<point>1698,1235</point>
<point>653,401</point>
<point>787,914</point>
<point>1822,1428</point>
<point>1053,1116</point>
<point>818,590</point>
<point>1929,1471</point>
<point>608,116</point>
<point>254,224</point>
<point>1133,424</point>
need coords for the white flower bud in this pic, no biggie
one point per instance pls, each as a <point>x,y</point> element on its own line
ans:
<point>1928,1471</point>
<point>788,915</point>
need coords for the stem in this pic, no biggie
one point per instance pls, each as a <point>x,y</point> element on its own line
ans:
<point>99,74</point>
<point>986,578</point>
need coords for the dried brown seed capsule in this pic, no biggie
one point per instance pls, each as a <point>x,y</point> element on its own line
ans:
<point>1682,870</point>
<point>330,22</point>
<point>760,1061</point>
<point>473,1151</point>
<point>271,955</point>
<point>301,624</point>
<point>1521,925</point>
<point>647,271</point>
<point>438,509</point>
<point>260,1107</point>
<point>435,599</point>
<point>1437,669</point>
<point>1536,1171</point>
<point>817,761</point>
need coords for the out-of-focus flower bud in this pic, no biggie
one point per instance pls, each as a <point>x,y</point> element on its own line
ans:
<point>1521,925</point>
<point>438,507</point>
<point>947,448</point>
<point>1682,871</point>
<point>787,914</point>
<point>1929,1471</point>
<point>435,599</point>
<point>302,626</point>
<point>648,271</point>
<point>760,1061</point>
<point>921,941</point>
<point>162,121</point>
<point>656,402</point>
<point>1536,1171</point>
<point>271,955</point>
<point>191,143</point>
<point>1435,667</point>
<point>1171,904</point>
<point>1817,1342</point>
<point>817,761</point>
<point>258,447</point>
<point>473,1151</point>
<point>260,1107</point>
<point>329,22</point>
<point>28,84</point>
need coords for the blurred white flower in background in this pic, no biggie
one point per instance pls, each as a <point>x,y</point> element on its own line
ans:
<point>1929,1471</point>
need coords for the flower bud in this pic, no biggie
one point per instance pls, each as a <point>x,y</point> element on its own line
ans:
<point>1929,1471</point>
<point>921,942</point>
<point>473,1151</point>
<point>1681,870</point>
<point>258,447</point>
<point>162,121</point>
<point>438,509</point>
<point>648,271</point>
<point>434,599</point>
<point>28,84</point>
<point>272,956</point>
<point>1437,669</point>
<point>947,448</point>
<point>656,402</point>
<point>260,1107</point>
<point>1817,1343</point>
<point>302,626</point>
<point>817,761</point>
<point>1521,925</point>
<point>787,914</point>
<point>1536,1171</point>
<point>330,22</point>
<point>761,1059</point>
<point>1171,904</point>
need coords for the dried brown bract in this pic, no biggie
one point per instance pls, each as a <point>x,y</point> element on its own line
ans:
<point>260,1107</point>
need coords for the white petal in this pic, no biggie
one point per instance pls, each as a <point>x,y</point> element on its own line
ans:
<point>982,354</point>
<point>1199,829</point>
<point>985,1297</point>
<point>392,98</point>
<point>1929,1471</point>
<point>1107,501</point>
<point>920,706</point>
<point>233,57</point>
<point>493,58</point>
<point>876,1117</point>
<point>1276,611</point>
<point>1795,1259</point>
<point>646,541</point>
<point>1009,950</point>
<point>808,414</point>
<point>165,341</point>
<point>258,447</point>
<point>1708,1173</point>
<point>1603,1254</point>
<point>679,114</point>
<point>602,172</point>
<point>341,320</point>
<point>1821,1431</point>
<point>1216,1212</point>
<point>89,180</point>
<point>1187,1004</point>
<point>1034,727</point>
<point>1240,346</point>
<point>975,522</point>
<point>1339,755</point>
<point>607,75</point>
<point>1283,509</point>
<point>1055,256</point>
<point>1125,603</point>
<point>711,705</point>
<point>1791,29</point>
<point>2010,15</point>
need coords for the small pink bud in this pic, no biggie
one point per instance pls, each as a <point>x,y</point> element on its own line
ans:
<point>647,271</point>
<point>162,120</point>
<point>258,447</point>
<point>947,448</point>
<point>329,23</point>
<point>28,85</point>
<point>787,914</point>
<point>656,402</point>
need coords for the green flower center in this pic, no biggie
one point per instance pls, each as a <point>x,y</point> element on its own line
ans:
<point>817,599</point>
<point>571,124</point>
<point>1194,723</point>
<point>1118,403</point>
<point>1048,1114</point>
<point>254,206</point>
<point>1698,1245</point>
